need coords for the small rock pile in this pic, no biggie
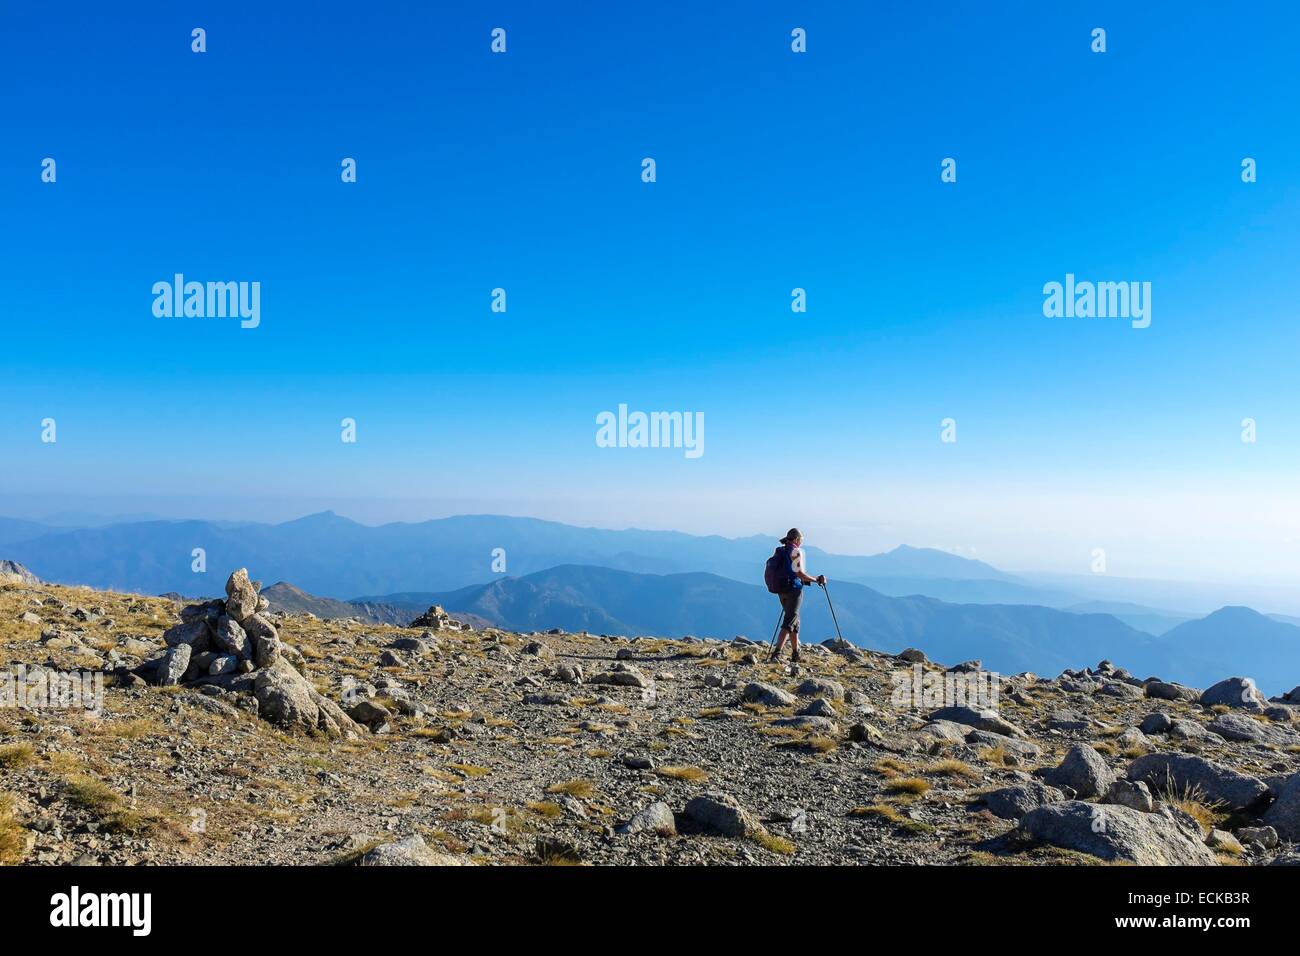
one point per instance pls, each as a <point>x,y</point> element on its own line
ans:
<point>230,646</point>
<point>437,619</point>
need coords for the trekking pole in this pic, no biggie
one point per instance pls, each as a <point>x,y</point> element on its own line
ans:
<point>833,617</point>
<point>779,618</point>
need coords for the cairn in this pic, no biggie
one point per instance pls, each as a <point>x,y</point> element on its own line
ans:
<point>231,646</point>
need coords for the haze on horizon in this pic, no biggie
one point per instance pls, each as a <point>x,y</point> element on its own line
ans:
<point>1147,548</point>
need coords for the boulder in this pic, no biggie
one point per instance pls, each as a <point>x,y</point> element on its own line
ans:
<point>656,818</point>
<point>1118,833</point>
<point>722,813</point>
<point>913,656</point>
<point>370,713</point>
<point>1234,692</point>
<point>241,596</point>
<point>1264,836</point>
<point>1135,796</point>
<point>412,851</point>
<point>1083,770</point>
<point>1133,739</point>
<point>1012,803</point>
<point>232,638</point>
<point>418,646</point>
<point>1121,690</point>
<point>568,673</point>
<point>1021,748</point>
<point>821,725</point>
<point>194,634</point>
<point>286,698</point>
<point>267,648</point>
<point>1213,782</point>
<point>864,733</point>
<point>171,668</point>
<point>223,664</point>
<point>1157,723</point>
<point>1180,729</point>
<point>946,730</point>
<point>1165,690</point>
<point>988,720</point>
<point>1284,815</point>
<point>820,687</point>
<point>546,700</point>
<point>209,611</point>
<point>1239,727</point>
<point>1224,841</point>
<point>768,695</point>
<point>1066,720</point>
<point>621,675</point>
<point>818,707</point>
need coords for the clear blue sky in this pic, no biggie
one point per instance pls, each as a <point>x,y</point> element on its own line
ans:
<point>775,170</point>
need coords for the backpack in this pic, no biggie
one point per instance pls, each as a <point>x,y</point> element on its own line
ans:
<point>774,573</point>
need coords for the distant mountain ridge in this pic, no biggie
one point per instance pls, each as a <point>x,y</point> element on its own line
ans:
<point>1007,638</point>
<point>331,555</point>
<point>606,601</point>
<point>287,599</point>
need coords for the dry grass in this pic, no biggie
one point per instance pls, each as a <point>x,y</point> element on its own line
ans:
<point>469,769</point>
<point>544,808</point>
<point>111,808</point>
<point>952,768</point>
<point>438,735</point>
<point>1193,802</point>
<point>776,844</point>
<point>685,773</point>
<point>14,756</point>
<point>132,729</point>
<point>889,767</point>
<point>892,815</point>
<point>13,837</point>
<point>997,756</point>
<point>912,785</point>
<point>574,788</point>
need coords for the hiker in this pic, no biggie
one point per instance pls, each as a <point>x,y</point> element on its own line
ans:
<point>788,583</point>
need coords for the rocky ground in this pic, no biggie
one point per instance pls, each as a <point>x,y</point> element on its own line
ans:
<point>287,739</point>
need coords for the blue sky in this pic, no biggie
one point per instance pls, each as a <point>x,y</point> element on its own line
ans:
<point>775,170</point>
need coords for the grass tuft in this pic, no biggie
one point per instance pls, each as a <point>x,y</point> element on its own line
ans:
<point>776,844</point>
<point>685,773</point>
<point>14,756</point>
<point>574,788</point>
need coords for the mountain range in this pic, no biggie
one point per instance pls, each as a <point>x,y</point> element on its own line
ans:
<point>328,554</point>
<point>1006,638</point>
<point>657,582</point>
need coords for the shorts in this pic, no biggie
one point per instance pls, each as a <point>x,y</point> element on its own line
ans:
<point>790,601</point>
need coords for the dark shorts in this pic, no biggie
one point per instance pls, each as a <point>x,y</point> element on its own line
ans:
<point>790,601</point>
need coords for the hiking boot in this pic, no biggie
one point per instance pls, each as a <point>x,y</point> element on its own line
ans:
<point>794,658</point>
